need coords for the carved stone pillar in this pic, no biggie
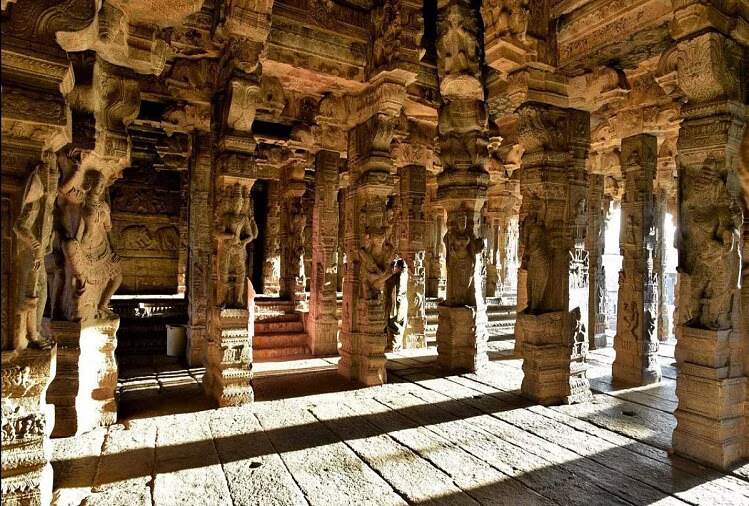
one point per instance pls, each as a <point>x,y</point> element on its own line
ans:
<point>293,225</point>
<point>322,325</point>
<point>492,282</point>
<point>552,328</point>
<point>369,254</point>
<point>272,265</point>
<point>596,244</point>
<point>27,422</point>
<point>412,248</point>
<point>711,384</point>
<point>200,250</point>
<point>636,342</point>
<point>461,333</point>
<point>659,265</point>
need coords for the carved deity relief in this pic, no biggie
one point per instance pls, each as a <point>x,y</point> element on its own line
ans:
<point>396,304</point>
<point>508,18</point>
<point>537,258</point>
<point>709,246</point>
<point>386,28</point>
<point>463,251</point>
<point>237,229</point>
<point>33,228</point>
<point>95,268</point>
<point>375,256</point>
<point>457,51</point>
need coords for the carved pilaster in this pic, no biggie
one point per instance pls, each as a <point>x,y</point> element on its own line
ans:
<point>323,324</point>
<point>200,250</point>
<point>293,226</point>
<point>711,385</point>
<point>552,329</point>
<point>636,342</point>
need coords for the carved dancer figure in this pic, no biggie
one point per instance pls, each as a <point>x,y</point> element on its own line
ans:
<point>712,239</point>
<point>462,249</point>
<point>238,230</point>
<point>94,265</point>
<point>68,204</point>
<point>396,305</point>
<point>374,256</point>
<point>538,262</point>
<point>33,228</point>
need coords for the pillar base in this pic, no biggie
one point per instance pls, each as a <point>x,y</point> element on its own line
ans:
<point>228,375</point>
<point>462,338</point>
<point>325,340</point>
<point>367,367</point>
<point>26,425</point>
<point>598,341</point>
<point>636,363</point>
<point>710,416</point>
<point>84,390</point>
<point>553,360</point>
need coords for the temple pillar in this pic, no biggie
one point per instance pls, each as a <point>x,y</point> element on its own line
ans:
<point>492,283</point>
<point>552,328</point>
<point>85,269</point>
<point>436,277</point>
<point>711,383</point>
<point>272,265</point>
<point>636,342</point>
<point>322,323</point>
<point>368,252</point>
<point>413,250</point>
<point>596,244</point>
<point>200,249</point>
<point>462,186</point>
<point>293,226</point>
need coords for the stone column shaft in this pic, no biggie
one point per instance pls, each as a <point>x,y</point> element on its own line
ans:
<point>412,248</point>
<point>322,322</point>
<point>636,342</point>
<point>272,265</point>
<point>200,250</point>
<point>596,244</point>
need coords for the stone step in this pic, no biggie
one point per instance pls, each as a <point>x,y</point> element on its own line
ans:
<point>280,340</point>
<point>278,327</point>
<point>287,352</point>
<point>277,317</point>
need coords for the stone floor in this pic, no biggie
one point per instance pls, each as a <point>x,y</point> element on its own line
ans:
<point>424,438</point>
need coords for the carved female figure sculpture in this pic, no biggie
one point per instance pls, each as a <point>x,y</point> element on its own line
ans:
<point>538,261</point>
<point>238,230</point>
<point>94,265</point>
<point>462,250</point>
<point>396,305</point>
<point>374,257</point>
<point>70,198</point>
<point>33,228</point>
<point>712,237</point>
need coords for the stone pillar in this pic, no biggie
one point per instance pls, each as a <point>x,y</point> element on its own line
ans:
<point>293,225</point>
<point>636,342</point>
<point>369,254</point>
<point>552,328</point>
<point>322,325</point>
<point>27,422</point>
<point>596,244</point>
<point>659,265</point>
<point>508,257</point>
<point>272,265</point>
<point>413,250</point>
<point>184,227</point>
<point>200,250</point>
<point>711,384</point>
<point>436,279</point>
<point>461,333</point>
<point>493,283</point>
